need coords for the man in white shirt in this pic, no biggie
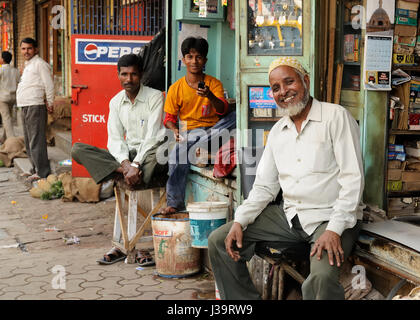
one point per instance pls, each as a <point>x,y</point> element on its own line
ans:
<point>313,155</point>
<point>35,95</point>
<point>9,78</point>
<point>135,131</point>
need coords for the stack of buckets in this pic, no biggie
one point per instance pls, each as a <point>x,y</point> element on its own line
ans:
<point>178,237</point>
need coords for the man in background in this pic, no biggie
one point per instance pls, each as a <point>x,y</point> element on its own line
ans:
<point>35,95</point>
<point>9,78</point>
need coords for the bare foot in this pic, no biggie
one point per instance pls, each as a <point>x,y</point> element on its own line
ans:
<point>168,210</point>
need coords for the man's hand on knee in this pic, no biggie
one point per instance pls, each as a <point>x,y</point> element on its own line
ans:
<point>234,237</point>
<point>125,165</point>
<point>133,176</point>
<point>331,242</point>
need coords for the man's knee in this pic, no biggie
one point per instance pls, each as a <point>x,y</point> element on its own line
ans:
<point>76,150</point>
<point>217,237</point>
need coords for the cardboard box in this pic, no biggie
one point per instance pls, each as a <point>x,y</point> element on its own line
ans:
<point>406,13</point>
<point>393,186</point>
<point>405,31</point>
<point>403,59</point>
<point>413,152</point>
<point>394,174</point>
<point>410,176</point>
<point>411,186</point>
<point>407,5</point>
<point>404,50</point>
<point>406,21</point>
<point>395,147</point>
<point>394,164</point>
<point>405,41</point>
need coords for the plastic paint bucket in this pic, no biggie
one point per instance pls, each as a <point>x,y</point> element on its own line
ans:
<point>205,217</point>
<point>174,255</point>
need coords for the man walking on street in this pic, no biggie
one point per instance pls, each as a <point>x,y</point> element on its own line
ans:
<point>35,95</point>
<point>9,78</point>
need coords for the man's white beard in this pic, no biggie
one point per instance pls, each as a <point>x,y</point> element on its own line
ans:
<point>294,109</point>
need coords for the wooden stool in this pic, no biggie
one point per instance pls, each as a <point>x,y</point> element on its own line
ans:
<point>279,258</point>
<point>128,231</point>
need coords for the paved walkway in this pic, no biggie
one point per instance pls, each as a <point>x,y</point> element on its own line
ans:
<point>38,264</point>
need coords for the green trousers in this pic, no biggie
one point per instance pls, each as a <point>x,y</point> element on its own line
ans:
<point>233,279</point>
<point>101,164</point>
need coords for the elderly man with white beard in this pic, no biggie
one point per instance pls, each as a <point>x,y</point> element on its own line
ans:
<point>313,155</point>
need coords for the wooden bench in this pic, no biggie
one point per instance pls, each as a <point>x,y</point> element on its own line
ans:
<point>126,234</point>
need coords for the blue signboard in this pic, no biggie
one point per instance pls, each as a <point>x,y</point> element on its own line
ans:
<point>105,52</point>
<point>261,98</point>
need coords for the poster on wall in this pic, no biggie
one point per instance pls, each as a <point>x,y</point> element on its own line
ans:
<point>378,62</point>
<point>261,101</point>
<point>380,16</point>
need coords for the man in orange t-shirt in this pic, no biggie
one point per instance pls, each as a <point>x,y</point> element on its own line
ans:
<point>197,100</point>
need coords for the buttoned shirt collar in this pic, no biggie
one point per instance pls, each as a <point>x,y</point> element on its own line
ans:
<point>315,114</point>
<point>139,97</point>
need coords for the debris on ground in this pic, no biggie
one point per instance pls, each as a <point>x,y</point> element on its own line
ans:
<point>72,240</point>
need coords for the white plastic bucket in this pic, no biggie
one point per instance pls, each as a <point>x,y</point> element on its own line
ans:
<point>174,255</point>
<point>205,217</point>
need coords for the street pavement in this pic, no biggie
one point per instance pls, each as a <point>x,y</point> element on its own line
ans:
<point>37,264</point>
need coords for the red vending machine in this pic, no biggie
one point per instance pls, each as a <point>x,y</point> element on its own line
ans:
<point>102,32</point>
<point>94,83</point>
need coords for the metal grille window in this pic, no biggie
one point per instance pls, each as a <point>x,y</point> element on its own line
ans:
<point>118,17</point>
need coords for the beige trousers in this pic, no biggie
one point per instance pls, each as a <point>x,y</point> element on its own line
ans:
<point>6,117</point>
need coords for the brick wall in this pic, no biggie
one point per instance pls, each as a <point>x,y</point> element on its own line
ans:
<point>25,24</point>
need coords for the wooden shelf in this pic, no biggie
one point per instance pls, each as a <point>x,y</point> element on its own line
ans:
<point>407,68</point>
<point>264,119</point>
<point>353,64</point>
<point>403,194</point>
<point>404,132</point>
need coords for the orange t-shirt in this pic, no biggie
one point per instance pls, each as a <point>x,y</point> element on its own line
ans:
<point>196,111</point>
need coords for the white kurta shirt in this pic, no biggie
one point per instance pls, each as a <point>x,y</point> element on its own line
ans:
<point>35,84</point>
<point>319,170</point>
<point>140,122</point>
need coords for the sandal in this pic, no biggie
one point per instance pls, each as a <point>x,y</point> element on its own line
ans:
<point>114,255</point>
<point>33,178</point>
<point>144,259</point>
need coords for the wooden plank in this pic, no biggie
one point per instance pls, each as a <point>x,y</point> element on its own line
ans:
<point>132,214</point>
<point>117,227</point>
<point>121,217</point>
<point>146,222</point>
<point>338,83</point>
<point>331,48</point>
<point>280,283</point>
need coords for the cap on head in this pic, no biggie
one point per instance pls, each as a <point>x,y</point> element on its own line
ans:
<point>287,61</point>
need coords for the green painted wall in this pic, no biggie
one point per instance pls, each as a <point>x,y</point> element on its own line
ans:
<point>221,56</point>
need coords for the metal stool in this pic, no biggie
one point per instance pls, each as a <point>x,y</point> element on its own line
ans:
<point>128,231</point>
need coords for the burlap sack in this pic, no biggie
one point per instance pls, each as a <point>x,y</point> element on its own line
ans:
<point>357,290</point>
<point>83,189</point>
<point>13,147</point>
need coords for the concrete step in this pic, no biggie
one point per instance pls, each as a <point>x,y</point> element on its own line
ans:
<point>55,155</point>
<point>63,140</point>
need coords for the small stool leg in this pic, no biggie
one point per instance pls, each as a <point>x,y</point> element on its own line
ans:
<point>281,283</point>
<point>132,224</point>
<point>117,228</point>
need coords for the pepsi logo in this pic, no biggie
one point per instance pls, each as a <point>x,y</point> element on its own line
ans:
<point>91,51</point>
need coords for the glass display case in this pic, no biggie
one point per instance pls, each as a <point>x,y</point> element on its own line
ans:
<point>197,10</point>
<point>275,27</point>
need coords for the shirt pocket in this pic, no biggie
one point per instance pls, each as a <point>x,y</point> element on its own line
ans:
<point>321,157</point>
